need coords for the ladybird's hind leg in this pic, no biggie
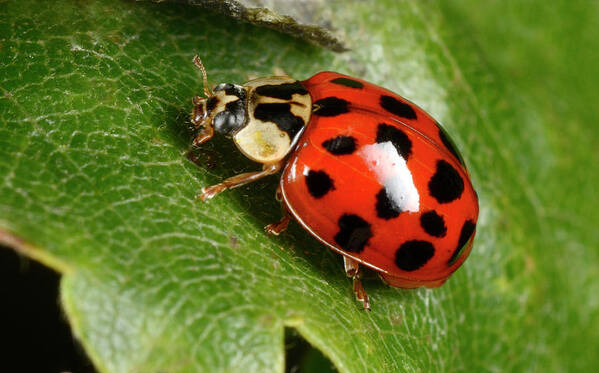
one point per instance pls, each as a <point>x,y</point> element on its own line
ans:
<point>352,269</point>
<point>239,180</point>
<point>281,225</point>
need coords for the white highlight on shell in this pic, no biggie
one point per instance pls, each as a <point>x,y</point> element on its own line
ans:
<point>392,171</point>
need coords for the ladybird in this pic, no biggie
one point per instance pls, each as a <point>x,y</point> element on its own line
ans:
<point>365,171</point>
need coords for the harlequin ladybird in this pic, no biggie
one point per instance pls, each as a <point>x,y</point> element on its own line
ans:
<point>365,171</point>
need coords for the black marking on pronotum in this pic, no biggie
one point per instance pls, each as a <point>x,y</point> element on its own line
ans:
<point>385,207</point>
<point>222,87</point>
<point>330,107</point>
<point>412,255</point>
<point>465,235</point>
<point>319,183</point>
<point>231,119</point>
<point>433,224</point>
<point>386,132</point>
<point>348,82</point>
<point>354,233</point>
<point>236,90</point>
<point>231,90</point>
<point>446,185</point>
<point>281,115</point>
<point>394,106</point>
<point>282,91</point>
<point>449,144</point>
<point>340,145</point>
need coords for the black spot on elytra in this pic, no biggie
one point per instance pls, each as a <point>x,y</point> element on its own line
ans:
<point>340,145</point>
<point>282,91</point>
<point>348,82</point>
<point>465,234</point>
<point>319,183</point>
<point>401,141</point>
<point>330,107</point>
<point>433,224</point>
<point>280,114</point>
<point>449,144</point>
<point>412,255</point>
<point>354,233</point>
<point>385,208</point>
<point>394,106</point>
<point>446,185</point>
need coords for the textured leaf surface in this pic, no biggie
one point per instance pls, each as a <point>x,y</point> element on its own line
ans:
<point>95,182</point>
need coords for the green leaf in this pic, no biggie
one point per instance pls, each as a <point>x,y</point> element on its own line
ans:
<point>95,181</point>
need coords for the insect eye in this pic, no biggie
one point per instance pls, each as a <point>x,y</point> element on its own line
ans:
<point>211,104</point>
<point>230,119</point>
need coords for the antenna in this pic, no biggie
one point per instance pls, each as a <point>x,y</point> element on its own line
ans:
<point>198,62</point>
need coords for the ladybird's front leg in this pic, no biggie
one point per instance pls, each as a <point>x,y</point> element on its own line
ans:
<point>239,180</point>
<point>203,135</point>
<point>352,269</point>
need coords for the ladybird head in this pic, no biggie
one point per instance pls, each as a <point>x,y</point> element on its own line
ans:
<point>221,110</point>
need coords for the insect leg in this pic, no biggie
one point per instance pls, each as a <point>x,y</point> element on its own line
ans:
<point>352,269</point>
<point>281,225</point>
<point>238,180</point>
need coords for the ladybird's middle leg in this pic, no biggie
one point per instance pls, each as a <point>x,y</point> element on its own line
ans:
<point>239,180</point>
<point>352,269</point>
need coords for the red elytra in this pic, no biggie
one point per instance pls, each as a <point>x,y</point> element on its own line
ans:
<point>358,177</point>
<point>366,172</point>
